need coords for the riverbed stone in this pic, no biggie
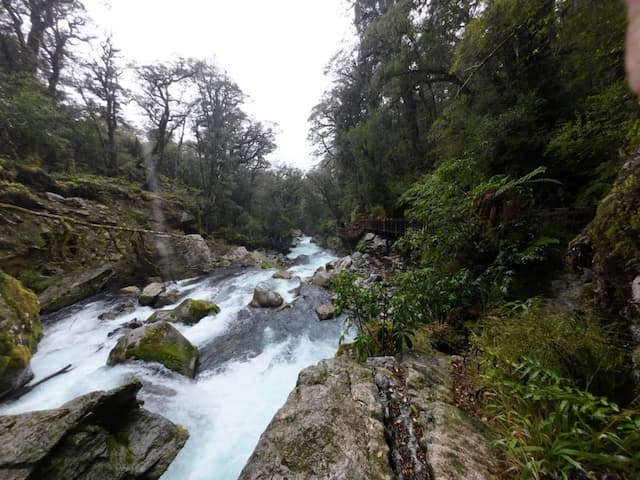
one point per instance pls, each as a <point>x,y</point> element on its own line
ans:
<point>188,312</point>
<point>97,436</point>
<point>150,293</point>
<point>20,330</point>
<point>326,311</point>
<point>131,290</point>
<point>282,275</point>
<point>167,297</point>
<point>74,287</point>
<point>322,277</point>
<point>264,297</point>
<point>158,342</point>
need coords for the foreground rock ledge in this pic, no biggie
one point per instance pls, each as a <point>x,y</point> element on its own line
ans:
<point>388,419</point>
<point>97,436</point>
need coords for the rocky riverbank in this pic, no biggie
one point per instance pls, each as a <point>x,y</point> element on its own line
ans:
<point>97,436</point>
<point>391,418</point>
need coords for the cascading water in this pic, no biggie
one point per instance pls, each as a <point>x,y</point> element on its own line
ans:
<point>230,403</point>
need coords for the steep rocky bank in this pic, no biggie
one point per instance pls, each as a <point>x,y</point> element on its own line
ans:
<point>97,436</point>
<point>391,418</point>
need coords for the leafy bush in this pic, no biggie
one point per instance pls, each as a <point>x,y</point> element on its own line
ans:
<point>577,346</point>
<point>551,429</point>
<point>378,332</point>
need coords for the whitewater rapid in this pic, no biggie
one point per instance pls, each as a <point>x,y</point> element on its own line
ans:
<point>225,408</point>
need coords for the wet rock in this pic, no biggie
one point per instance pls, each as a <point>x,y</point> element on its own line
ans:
<point>121,308</point>
<point>301,260</point>
<point>182,256</point>
<point>331,426</point>
<point>391,418</point>
<point>296,291</point>
<point>99,435</point>
<point>132,290</point>
<point>157,342</point>
<point>326,311</point>
<point>282,275</point>
<point>257,328</point>
<point>263,297</point>
<point>635,290</point>
<point>20,328</point>
<point>150,294</point>
<point>322,277</point>
<point>75,287</point>
<point>344,263</point>
<point>168,297</point>
<point>188,312</point>
<point>125,328</point>
<point>54,197</point>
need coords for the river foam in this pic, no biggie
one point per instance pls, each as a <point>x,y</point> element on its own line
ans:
<point>225,409</point>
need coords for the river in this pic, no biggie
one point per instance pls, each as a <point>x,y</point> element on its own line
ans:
<point>231,401</point>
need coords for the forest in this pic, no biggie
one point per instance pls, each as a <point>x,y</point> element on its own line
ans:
<point>471,118</point>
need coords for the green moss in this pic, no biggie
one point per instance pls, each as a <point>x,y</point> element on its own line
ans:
<point>201,308</point>
<point>36,281</point>
<point>26,310</point>
<point>616,227</point>
<point>17,194</point>
<point>154,347</point>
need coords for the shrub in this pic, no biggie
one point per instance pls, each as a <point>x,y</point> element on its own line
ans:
<point>551,429</point>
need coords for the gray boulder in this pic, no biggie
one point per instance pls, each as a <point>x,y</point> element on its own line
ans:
<point>188,312</point>
<point>74,287</point>
<point>282,275</point>
<point>150,294</point>
<point>344,263</point>
<point>326,311</point>
<point>182,256</point>
<point>263,297</point>
<point>322,277</point>
<point>97,436</point>
<point>392,418</point>
<point>168,297</point>
<point>158,342</point>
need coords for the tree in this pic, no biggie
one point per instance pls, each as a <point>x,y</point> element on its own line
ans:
<point>162,100</point>
<point>35,36</point>
<point>102,93</point>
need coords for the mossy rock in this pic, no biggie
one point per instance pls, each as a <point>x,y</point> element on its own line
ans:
<point>189,312</point>
<point>157,342</point>
<point>20,330</point>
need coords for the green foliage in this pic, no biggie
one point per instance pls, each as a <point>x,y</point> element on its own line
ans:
<point>377,331</point>
<point>35,281</point>
<point>577,346</point>
<point>550,428</point>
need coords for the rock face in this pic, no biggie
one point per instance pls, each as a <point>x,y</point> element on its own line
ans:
<point>97,436</point>
<point>608,252</point>
<point>188,312</point>
<point>322,277</point>
<point>158,342</point>
<point>71,289</point>
<point>388,419</point>
<point>265,298</point>
<point>20,331</point>
<point>330,427</point>
<point>182,256</point>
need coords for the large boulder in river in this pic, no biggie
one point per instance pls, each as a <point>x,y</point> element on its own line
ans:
<point>264,297</point>
<point>157,295</point>
<point>97,436</point>
<point>326,311</point>
<point>20,331</point>
<point>322,277</point>
<point>182,256</point>
<point>188,312</point>
<point>75,287</point>
<point>157,342</point>
<point>391,418</point>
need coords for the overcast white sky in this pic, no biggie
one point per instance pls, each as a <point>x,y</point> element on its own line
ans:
<point>276,50</point>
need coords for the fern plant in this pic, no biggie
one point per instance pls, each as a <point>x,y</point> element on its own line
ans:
<point>550,429</point>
